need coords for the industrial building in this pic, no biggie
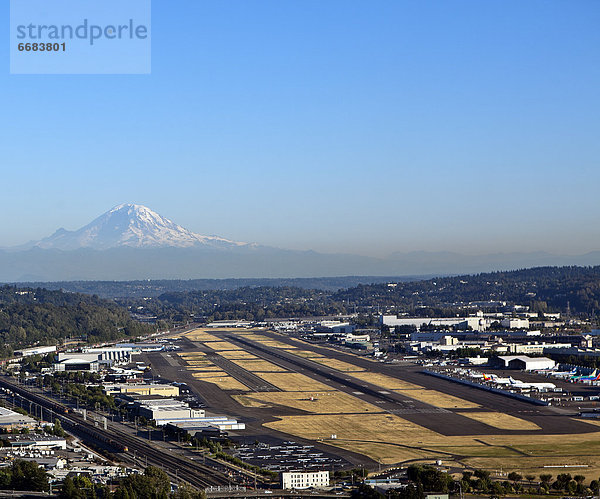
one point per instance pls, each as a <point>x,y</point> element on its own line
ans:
<point>304,479</point>
<point>142,389</point>
<point>535,348</point>
<point>141,347</point>
<point>77,362</point>
<point>27,352</point>
<point>165,411</point>
<point>90,359</point>
<point>476,323</point>
<point>522,362</point>
<point>115,354</point>
<point>11,420</point>
<point>515,323</point>
<point>208,425</point>
<point>36,442</point>
<point>224,324</point>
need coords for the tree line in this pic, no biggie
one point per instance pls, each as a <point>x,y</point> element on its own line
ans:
<point>37,316</point>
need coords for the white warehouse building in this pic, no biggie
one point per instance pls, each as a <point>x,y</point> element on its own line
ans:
<point>304,479</point>
<point>27,352</point>
<point>477,323</point>
<point>515,323</point>
<point>524,363</point>
<point>165,411</point>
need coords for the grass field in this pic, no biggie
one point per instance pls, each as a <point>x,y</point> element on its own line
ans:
<point>501,420</point>
<point>191,355</point>
<point>321,403</point>
<point>223,382</point>
<point>384,381</point>
<point>205,373</point>
<point>438,399</point>
<point>385,453</point>
<point>377,429</point>
<point>259,338</point>
<point>274,344</point>
<point>337,364</point>
<point>199,363</point>
<point>592,422</point>
<point>201,335</point>
<point>390,439</point>
<point>259,365</point>
<point>294,382</point>
<point>238,355</point>
<point>303,353</point>
<point>210,370</point>
<point>249,401</point>
<point>219,346</point>
<point>196,360</point>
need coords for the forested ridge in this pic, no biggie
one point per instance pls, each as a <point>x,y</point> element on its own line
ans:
<point>553,288</point>
<point>544,289</point>
<point>30,316</point>
<point>37,316</point>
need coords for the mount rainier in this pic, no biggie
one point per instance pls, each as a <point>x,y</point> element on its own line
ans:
<point>134,226</point>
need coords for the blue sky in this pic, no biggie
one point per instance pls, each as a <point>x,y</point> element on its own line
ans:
<point>363,127</point>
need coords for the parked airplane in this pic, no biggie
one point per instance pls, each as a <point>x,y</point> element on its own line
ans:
<point>595,376</point>
<point>592,377</point>
<point>524,386</point>
<point>564,374</point>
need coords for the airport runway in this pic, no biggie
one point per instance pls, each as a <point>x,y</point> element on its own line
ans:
<point>218,401</point>
<point>547,418</point>
<point>443,421</point>
<point>251,380</point>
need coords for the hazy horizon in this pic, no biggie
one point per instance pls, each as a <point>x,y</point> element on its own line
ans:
<point>338,127</point>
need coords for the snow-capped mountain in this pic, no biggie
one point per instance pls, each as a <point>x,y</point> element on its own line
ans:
<point>131,225</point>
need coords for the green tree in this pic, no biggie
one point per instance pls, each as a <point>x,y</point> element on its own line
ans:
<point>153,484</point>
<point>69,491</point>
<point>546,478</point>
<point>514,477</point>
<point>184,491</point>
<point>363,491</point>
<point>562,480</point>
<point>27,475</point>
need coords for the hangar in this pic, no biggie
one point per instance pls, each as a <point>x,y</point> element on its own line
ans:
<point>523,362</point>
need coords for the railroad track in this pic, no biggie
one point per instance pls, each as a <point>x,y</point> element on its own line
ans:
<point>176,466</point>
<point>179,467</point>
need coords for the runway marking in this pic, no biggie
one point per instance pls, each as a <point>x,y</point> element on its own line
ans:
<point>171,361</point>
<point>357,393</point>
<point>418,411</point>
<point>383,392</point>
